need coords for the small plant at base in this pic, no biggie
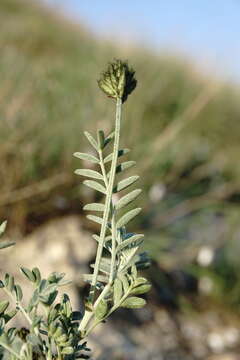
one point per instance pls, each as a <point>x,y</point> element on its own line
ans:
<point>54,335</point>
<point>59,333</point>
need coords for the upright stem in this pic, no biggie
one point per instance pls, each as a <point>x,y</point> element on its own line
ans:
<point>108,199</point>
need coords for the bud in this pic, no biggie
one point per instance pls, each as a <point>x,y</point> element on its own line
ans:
<point>118,80</point>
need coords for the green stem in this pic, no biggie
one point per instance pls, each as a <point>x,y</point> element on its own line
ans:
<point>108,199</point>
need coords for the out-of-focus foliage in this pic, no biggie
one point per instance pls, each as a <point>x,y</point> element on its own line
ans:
<point>183,126</point>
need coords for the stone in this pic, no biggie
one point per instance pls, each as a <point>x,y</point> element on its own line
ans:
<point>60,245</point>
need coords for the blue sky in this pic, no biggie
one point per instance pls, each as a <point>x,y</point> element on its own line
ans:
<point>206,30</point>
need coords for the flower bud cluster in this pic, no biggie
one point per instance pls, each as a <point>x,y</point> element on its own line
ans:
<point>118,80</point>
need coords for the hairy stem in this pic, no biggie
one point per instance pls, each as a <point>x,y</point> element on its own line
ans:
<point>108,206</point>
<point>108,199</point>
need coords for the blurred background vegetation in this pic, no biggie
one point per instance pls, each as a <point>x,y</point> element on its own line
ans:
<point>182,125</point>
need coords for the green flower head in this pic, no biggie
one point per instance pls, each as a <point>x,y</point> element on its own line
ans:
<point>118,80</point>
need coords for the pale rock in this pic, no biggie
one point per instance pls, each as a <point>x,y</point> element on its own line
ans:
<point>60,245</point>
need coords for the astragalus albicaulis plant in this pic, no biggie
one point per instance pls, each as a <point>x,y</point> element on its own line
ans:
<point>58,332</point>
<point>114,282</point>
